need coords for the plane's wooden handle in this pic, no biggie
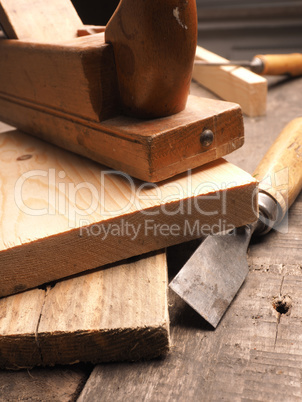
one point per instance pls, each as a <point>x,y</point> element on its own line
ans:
<point>280,171</point>
<point>154,44</point>
<point>280,64</point>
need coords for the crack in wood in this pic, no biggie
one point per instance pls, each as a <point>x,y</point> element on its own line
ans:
<point>37,340</point>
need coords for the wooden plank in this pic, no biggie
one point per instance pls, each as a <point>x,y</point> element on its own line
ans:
<point>119,313</point>
<point>67,94</point>
<point>116,314</point>
<point>39,20</point>
<point>48,384</point>
<point>19,317</point>
<point>235,84</point>
<point>52,200</point>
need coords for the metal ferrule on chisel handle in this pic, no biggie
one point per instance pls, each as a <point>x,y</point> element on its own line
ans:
<point>268,213</point>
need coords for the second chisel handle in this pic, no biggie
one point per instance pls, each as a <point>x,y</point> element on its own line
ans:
<point>280,64</point>
<point>280,171</point>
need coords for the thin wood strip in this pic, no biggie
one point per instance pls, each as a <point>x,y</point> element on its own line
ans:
<point>64,214</point>
<point>234,84</point>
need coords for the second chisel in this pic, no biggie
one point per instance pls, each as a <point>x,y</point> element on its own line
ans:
<point>268,64</point>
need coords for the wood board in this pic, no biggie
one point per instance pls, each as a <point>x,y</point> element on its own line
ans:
<point>39,20</point>
<point>64,214</point>
<point>67,94</point>
<point>234,84</point>
<point>119,313</point>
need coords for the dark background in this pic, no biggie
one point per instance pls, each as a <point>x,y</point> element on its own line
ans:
<point>235,29</point>
<point>95,12</point>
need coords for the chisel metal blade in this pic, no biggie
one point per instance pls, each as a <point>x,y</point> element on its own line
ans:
<point>215,272</point>
<point>222,268</point>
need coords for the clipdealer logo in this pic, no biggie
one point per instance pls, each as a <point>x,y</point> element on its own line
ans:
<point>51,192</point>
<point>84,203</point>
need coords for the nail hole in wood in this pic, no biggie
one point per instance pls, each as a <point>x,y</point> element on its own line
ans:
<point>24,157</point>
<point>282,304</point>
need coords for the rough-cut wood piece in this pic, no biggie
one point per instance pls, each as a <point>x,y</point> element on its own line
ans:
<point>39,20</point>
<point>154,46</point>
<point>64,214</point>
<point>48,384</point>
<point>19,318</point>
<point>119,313</point>
<point>235,84</point>
<point>67,94</point>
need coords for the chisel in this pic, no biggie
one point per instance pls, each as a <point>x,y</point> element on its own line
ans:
<point>268,64</point>
<point>210,279</point>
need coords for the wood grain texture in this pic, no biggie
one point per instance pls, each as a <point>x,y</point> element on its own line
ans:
<point>19,317</point>
<point>48,384</point>
<point>116,314</point>
<point>119,313</point>
<point>67,94</point>
<point>38,20</point>
<point>64,214</point>
<point>235,84</point>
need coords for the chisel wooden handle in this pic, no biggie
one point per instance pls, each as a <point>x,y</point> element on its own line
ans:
<point>280,171</point>
<point>279,64</point>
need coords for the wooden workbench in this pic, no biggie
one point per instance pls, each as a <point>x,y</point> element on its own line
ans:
<point>254,354</point>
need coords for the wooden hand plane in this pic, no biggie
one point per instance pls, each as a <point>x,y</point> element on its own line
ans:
<point>119,97</point>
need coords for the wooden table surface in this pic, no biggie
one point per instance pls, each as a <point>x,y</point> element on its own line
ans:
<point>255,353</point>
